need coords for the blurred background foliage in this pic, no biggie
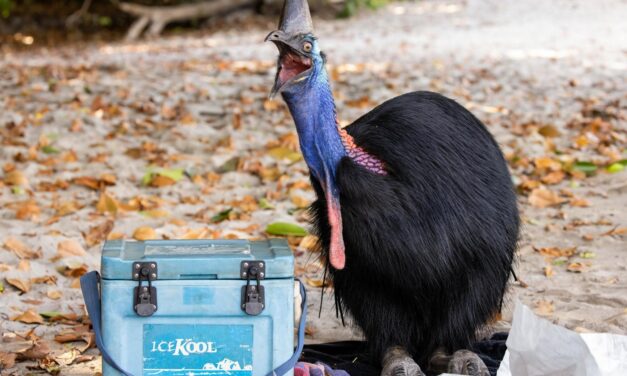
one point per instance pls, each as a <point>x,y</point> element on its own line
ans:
<point>47,21</point>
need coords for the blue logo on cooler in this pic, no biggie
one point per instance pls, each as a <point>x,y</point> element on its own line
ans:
<point>197,350</point>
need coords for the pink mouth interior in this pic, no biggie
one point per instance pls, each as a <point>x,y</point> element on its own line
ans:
<point>292,65</point>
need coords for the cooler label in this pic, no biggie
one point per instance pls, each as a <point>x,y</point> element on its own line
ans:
<point>196,350</point>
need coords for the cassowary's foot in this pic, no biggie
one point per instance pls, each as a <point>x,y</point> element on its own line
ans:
<point>462,362</point>
<point>466,362</point>
<point>397,362</point>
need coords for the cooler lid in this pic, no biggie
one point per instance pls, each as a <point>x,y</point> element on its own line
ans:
<point>196,259</point>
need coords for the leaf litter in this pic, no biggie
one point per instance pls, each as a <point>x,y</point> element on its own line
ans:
<point>112,151</point>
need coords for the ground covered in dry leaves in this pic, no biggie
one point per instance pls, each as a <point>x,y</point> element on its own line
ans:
<point>176,138</point>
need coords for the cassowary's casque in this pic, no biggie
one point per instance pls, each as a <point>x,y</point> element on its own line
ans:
<point>416,212</point>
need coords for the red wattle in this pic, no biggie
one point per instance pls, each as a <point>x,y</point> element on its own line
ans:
<point>337,256</point>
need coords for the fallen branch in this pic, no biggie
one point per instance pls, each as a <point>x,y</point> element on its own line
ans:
<point>157,17</point>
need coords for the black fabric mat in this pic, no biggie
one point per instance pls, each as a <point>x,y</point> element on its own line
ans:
<point>352,357</point>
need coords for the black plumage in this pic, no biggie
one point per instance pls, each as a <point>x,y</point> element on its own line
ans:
<point>429,246</point>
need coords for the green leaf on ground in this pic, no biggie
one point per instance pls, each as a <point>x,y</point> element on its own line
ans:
<point>221,216</point>
<point>49,149</point>
<point>50,314</point>
<point>587,167</point>
<point>228,166</point>
<point>615,167</point>
<point>264,204</point>
<point>285,229</point>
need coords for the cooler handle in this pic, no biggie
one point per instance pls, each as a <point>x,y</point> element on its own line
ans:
<point>291,362</point>
<point>91,294</point>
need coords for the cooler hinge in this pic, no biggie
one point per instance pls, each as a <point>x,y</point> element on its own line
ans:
<point>145,297</point>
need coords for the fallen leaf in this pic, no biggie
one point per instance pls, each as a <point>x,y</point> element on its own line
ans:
<point>549,131</point>
<point>554,177</point>
<point>588,237</point>
<point>38,350</point>
<point>314,282</point>
<point>200,233</point>
<point>20,284</point>
<point>586,167</point>
<point>284,229</point>
<point>270,105</point>
<point>544,308</point>
<point>67,207</point>
<point>20,249</point>
<point>29,317</point>
<point>54,294</point>
<point>48,279</point>
<point>68,248</point>
<point>548,271</point>
<point>579,202</point>
<point>615,167</point>
<point>23,265</point>
<point>161,181</point>
<point>67,357</point>
<point>156,213</point>
<point>221,216</point>
<point>264,204</point>
<point>78,333</point>
<point>144,233</point>
<point>107,204</point>
<point>115,236</point>
<point>310,243</point>
<point>16,178</point>
<point>556,252</point>
<point>7,360</point>
<point>547,164</point>
<point>49,365</point>
<point>73,271</point>
<point>576,267</point>
<point>542,198</point>
<point>27,210</point>
<point>98,233</point>
<point>162,177</point>
<point>281,153</point>
<point>87,181</point>
<point>300,201</point>
<point>615,231</point>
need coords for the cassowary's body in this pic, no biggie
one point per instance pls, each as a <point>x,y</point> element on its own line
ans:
<point>416,211</point>
<point>429,246</point>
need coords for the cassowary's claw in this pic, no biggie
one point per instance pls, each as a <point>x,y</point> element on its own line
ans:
<point>466,362</point>
<point>397,362</point>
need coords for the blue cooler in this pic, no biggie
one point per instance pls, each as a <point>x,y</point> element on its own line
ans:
<point>195,307</point>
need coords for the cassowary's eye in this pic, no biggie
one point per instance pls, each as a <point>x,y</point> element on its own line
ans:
<point>307,47</point>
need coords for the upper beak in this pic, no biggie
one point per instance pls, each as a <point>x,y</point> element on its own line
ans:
<point>295,19</point>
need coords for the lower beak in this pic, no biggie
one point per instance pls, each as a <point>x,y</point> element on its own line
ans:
<point>276,36</point>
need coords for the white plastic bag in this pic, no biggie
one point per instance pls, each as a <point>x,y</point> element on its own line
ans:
<point>536,347</point>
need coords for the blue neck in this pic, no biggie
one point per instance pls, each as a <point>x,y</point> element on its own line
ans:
<point>313,110</point>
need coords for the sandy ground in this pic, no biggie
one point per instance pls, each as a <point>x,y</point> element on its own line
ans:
<point>548,78</point>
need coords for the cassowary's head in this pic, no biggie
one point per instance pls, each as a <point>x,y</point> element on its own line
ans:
<point>299,55</point>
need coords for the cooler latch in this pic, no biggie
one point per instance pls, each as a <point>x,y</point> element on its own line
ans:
<point>253,296</point>
<point>145,297</point>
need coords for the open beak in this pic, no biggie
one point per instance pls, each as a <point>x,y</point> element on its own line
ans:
<point>293,64</point>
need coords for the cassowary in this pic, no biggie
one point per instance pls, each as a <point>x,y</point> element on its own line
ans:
<point>415,210</point>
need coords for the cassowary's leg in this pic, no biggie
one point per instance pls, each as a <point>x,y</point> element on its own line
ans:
<point>397,362</point>
<point>463,362</point>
